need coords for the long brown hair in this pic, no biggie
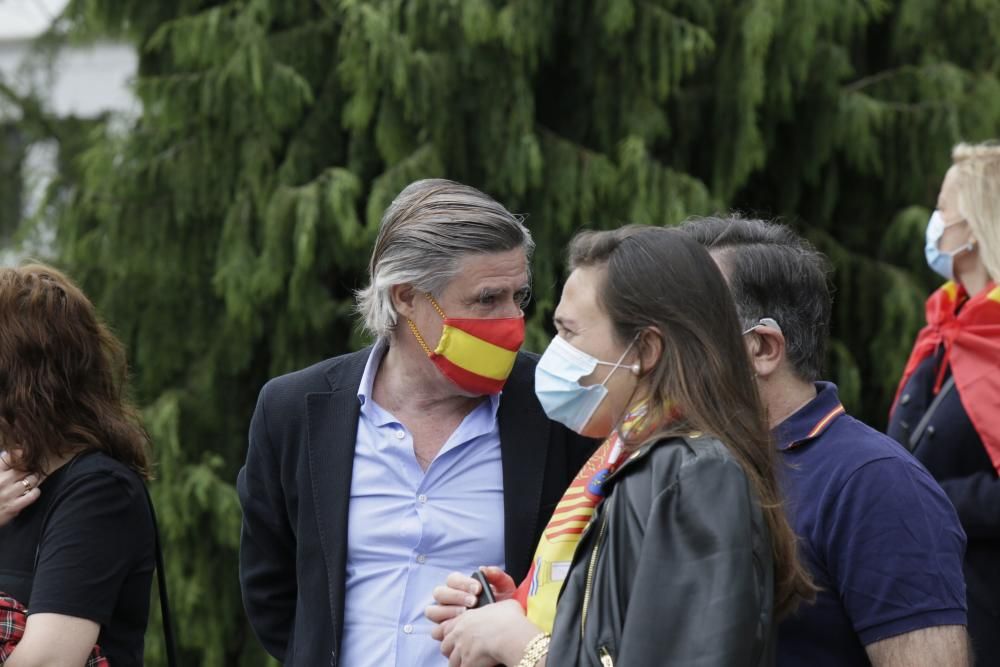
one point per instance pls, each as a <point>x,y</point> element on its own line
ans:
<point>62,375</point>
<point>660,280</point>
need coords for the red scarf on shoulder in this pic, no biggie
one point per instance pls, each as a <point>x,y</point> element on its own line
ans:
<point>969,329</point>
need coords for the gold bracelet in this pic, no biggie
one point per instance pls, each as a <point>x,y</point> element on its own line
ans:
<point>536,649</point>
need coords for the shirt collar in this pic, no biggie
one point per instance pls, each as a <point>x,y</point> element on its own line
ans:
<point>368,383</point>
<point>371,368</point>
<point>812,419</point>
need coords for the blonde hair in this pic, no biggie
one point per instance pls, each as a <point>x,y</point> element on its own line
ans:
<point>977,169</point>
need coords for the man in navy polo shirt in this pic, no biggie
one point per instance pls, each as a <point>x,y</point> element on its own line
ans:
<point>878,534</point>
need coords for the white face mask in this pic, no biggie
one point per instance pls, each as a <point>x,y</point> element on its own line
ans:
<point>558,388</point>
<point>942,263</point>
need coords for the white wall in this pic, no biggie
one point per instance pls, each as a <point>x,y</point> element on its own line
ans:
<point>83,81</point>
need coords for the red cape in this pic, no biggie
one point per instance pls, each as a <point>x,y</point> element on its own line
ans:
<point>969,329</point>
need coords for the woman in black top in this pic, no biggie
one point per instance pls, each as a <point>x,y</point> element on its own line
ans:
<point>947,410</point>
<point>76,540</point>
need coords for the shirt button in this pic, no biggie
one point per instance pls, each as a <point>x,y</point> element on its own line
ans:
<point>905,399</point>
<point>422,499</point>
<point>422,558</point>
<point>400,434</point>
<point>930,431</point>
<point>408,629</point>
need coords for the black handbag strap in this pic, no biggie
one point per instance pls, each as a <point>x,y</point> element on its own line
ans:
<point>925,421</point>
<point>161,572</point>
<point>169,640</point>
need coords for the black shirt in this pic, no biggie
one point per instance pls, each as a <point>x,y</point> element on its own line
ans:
<point>95,554</point>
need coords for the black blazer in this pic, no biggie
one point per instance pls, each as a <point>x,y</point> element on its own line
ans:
<point>295,491</point>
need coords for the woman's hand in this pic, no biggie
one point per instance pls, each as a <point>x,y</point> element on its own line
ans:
<point>17,490</point>
<point>460,592</point>
<point>495,634</point>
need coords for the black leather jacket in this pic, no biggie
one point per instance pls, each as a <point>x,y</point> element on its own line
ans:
<point>674,569</point>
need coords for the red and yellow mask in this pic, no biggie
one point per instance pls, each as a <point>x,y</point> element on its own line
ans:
<point>476,354</point>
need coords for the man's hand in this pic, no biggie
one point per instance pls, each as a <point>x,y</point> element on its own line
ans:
<point>460,592</point>
<point>942,646</point>
<point>17,490</point>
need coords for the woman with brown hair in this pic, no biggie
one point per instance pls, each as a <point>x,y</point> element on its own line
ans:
<point>78,552</point>
<point>686,556</point>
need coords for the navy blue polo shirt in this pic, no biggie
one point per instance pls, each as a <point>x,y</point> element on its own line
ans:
<point>877,533</point>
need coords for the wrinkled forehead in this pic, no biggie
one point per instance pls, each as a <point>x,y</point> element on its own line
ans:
<point>497,271</point>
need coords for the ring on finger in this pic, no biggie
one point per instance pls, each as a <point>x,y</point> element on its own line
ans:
<point>26,484</point>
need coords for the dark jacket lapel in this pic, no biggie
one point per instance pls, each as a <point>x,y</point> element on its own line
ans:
<point>524,440</point>
<point>332,432</point>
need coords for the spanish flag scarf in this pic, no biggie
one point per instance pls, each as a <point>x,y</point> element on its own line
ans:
<point>969,329</point>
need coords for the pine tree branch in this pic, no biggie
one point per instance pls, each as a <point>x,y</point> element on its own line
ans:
<point>32,112</point>
<point>867,81</point>
<point>885,75</point>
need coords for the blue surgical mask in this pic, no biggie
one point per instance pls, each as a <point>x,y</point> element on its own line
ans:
<point>557,383</point>
<point>942,263</point>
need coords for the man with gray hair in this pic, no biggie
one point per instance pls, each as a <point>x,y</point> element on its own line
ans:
<point>879,536</point>
<point>373,475</point>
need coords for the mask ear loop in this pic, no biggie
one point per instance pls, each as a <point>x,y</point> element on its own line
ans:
<point>618,364</point>
<point>413,327</point>
<point>437,307</point>
<point>968,247</point>
<point>766,322</point>
<point>636,369</point>
<point>420,339</point>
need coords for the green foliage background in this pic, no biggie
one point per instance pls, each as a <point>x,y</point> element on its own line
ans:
<point>223,233</point>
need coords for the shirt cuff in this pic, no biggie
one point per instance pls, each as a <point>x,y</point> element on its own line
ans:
<point>911,623</point>
<point>64,609</point>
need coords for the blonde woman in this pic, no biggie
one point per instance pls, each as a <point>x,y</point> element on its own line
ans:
<point>947,409</point>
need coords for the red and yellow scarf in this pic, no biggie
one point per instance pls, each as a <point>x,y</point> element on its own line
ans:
<point>969,329</point>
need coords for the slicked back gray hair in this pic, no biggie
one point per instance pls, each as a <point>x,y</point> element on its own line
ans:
<point>424,234</point>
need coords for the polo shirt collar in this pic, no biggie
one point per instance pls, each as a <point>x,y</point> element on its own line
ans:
<point>812,419</point>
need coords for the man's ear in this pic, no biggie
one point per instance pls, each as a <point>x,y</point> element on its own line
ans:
<point>766,346</point>
<point>403,300</point>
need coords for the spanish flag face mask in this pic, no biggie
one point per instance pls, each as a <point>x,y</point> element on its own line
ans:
<point>476,354</point>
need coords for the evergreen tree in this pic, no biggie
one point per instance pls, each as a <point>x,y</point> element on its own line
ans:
<point>223,234</point>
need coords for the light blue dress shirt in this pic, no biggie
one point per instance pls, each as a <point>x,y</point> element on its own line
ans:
<point>407,529</point>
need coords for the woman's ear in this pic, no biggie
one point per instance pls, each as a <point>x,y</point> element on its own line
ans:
<point>650,349</point>
<point>403,298</point>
